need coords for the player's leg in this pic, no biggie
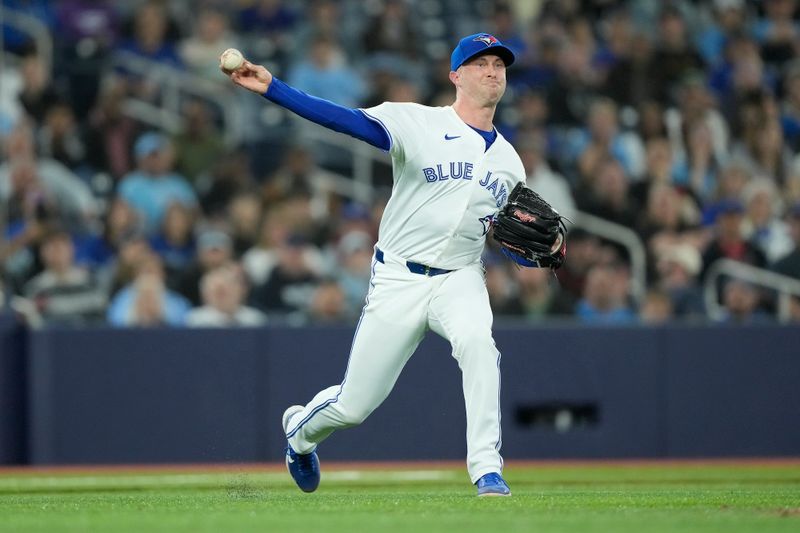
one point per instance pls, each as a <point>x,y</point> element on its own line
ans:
<point>390,329</point>
<point>460,312</point>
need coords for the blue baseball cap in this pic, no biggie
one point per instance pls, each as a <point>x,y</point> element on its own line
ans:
<point>149,142</point>
<point>479,44</point>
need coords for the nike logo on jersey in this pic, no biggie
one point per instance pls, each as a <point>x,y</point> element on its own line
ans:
<point>449,138</point>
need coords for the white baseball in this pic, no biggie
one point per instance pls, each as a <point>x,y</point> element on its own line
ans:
<point>231,59</point>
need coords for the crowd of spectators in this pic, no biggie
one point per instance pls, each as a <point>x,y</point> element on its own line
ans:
<point>677,119</point>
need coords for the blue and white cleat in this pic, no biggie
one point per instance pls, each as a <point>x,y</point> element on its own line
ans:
<point>492,485</point>
<point>303,467</point>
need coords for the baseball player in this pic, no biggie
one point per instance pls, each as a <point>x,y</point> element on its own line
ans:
<point>452,173</point>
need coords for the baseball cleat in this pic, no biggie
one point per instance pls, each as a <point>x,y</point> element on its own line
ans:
<point>492,485</point>
<point>303,467</point>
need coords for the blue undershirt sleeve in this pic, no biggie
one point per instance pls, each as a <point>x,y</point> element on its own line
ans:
<point>353,122</point>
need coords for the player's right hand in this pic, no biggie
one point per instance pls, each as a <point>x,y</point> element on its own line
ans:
<point>252,77</point>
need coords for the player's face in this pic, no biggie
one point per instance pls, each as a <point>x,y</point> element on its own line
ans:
<point>483,78</point>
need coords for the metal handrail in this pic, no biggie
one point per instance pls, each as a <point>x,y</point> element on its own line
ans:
<point>35,28</point>
<point>363,155</point>
<point>175,86</point>
<point>626,237</point>
<point>784,285</point>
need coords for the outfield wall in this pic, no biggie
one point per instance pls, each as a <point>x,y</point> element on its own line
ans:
<point>134,396</point>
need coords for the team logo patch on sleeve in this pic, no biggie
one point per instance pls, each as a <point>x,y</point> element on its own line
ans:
<point>486,39</point>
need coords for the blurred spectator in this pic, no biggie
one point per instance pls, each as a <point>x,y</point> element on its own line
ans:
<point>728,241</point>
<point>244,219</point>
<point>602,137</point>
<point>299,172</point>
<point>224,290</point>
<point>175,243</point>
<point>605,297</point>
<point>230,175</point>
<point>328,303</point>
<point>24,175</point>
<point>133,251</point>
<point>674,55</point>
<point>153,186</point>
<point>658,169</point>
<point>100,249</point>
<point>61,138</point>
<point>354,262</point>
<point>667,215</point>
<point>88,30</point>
<point>764,152</point>
<point>500,285</point>
<point>729,17</point>
<point>763,226</point>
<point>259,260</point>
<point>111,132</point>
<point>150,39</point>
<point>291,284</point>
<point>740,304</point>
<point>790,264</point>
<point>678,266</point>
<point>584,253</point>
<point>210,36</point>
<point>651,124</point>
<point>607,195</point>
<point>391,31</point>
<point>552,186</point>
<point>506,27</point>
<point>214,249</point>
<point>777,32</point>
<point>271,18</point>
<point>696,168</point>
<point>694,115</point>
<point>326,19</point>
<point>574,88</point>
<point>540,296</point>
<point>38,94</point>
<point>64,292</point>
<point>790,105</point>
<point>629,80</point>
<point>731,182</point>
<point>326,74</point>
<point>200,145</point>
<point>147,302</point>
<point>656,308</point>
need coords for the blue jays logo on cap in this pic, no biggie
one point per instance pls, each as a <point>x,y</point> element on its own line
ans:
<point>479,44</point>
<point>486,39</point>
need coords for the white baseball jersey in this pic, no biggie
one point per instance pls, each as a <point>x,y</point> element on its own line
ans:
<point>447,186</point>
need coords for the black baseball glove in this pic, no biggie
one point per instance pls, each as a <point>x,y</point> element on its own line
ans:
<point>530,231</point>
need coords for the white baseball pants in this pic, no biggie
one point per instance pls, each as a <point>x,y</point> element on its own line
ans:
<point>401,306</point>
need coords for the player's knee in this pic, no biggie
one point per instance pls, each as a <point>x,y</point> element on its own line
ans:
<point>476,339</point>
<point>355,416</point>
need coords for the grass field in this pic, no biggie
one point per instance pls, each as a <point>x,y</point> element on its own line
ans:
<point>548,497</point>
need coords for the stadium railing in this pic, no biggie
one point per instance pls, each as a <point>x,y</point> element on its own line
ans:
<point>30,26</point>
<point>785,286</point>
<point>175,88</point>
<point>625,237</point>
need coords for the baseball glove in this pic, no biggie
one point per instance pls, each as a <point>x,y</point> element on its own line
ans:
<point>530,231</point>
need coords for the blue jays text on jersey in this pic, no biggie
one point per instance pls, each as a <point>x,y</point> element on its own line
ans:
<point>463,170</point>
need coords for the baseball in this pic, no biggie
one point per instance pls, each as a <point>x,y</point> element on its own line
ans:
<point>231,59</point>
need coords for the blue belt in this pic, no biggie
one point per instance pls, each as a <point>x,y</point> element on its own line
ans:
<point>416,268</point>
